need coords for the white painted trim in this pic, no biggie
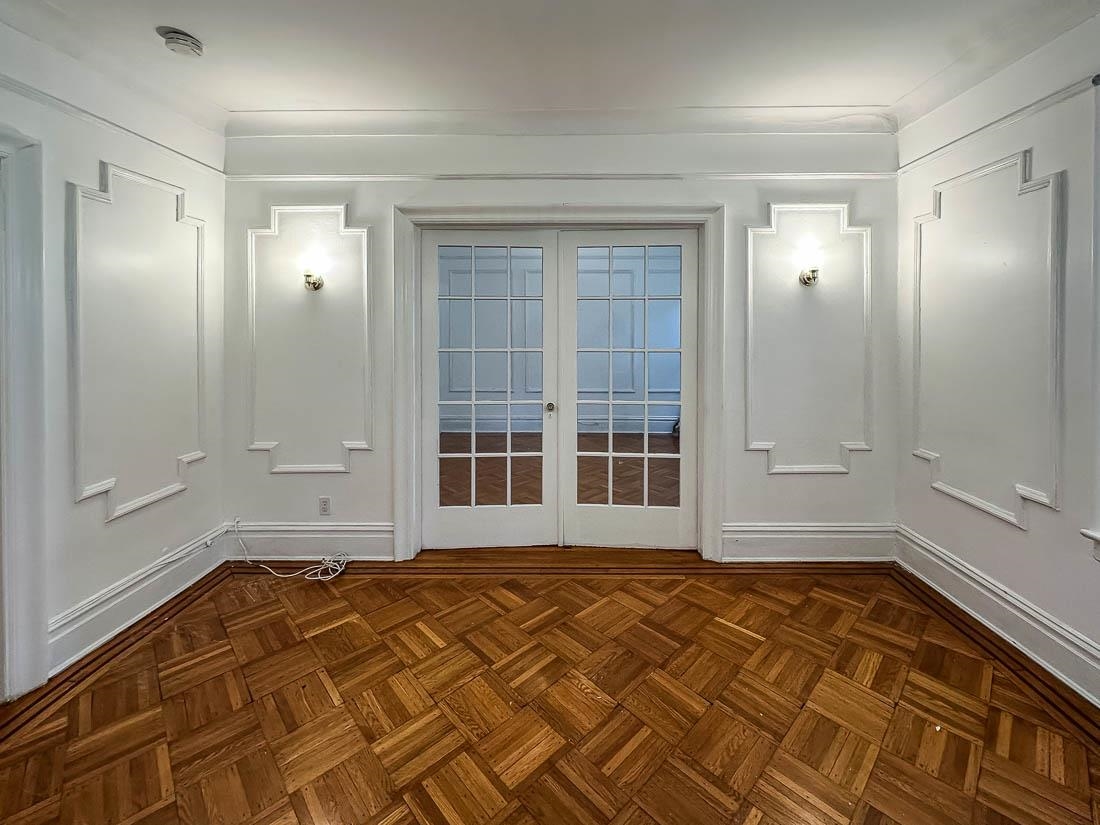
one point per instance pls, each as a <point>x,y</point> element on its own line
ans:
<point>23,628</point>
<point>563,122</point>
<point>408,223</point>
<point>311,541</point>
<point>548,176</point>
<point>1024,112</point>
<point>1069,655</point>
<point>711,386</point>
<point>271,447</point>
<point>1055,259</point>
<point>104,194</point>
<point>405,348</point>
<point>808,528</point>
<point>1093,534</point>
<point>846,447</point>
<point>1094,537</point>
<point>103,615</point>
<point>313,528</point>
<point>807,542</point>
<point>44,98</point>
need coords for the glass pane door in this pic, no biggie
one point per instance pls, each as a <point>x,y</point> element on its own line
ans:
<point>628,301</point>
<point>492,337</point>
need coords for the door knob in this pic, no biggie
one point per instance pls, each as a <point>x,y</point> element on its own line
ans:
<point>550,406</point>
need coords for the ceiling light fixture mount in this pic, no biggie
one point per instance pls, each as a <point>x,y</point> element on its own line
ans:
<point>180,42</point>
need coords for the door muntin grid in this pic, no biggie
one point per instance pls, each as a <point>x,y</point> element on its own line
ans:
<point>629,375</point>
<point>490,401</point>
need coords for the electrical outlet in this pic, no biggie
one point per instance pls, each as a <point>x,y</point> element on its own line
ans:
<point>324,505</point>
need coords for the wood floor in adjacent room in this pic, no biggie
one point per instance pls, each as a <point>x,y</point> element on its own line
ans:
<point>672,697</point>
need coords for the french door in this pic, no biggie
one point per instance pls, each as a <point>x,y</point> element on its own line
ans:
<point>559,388</point>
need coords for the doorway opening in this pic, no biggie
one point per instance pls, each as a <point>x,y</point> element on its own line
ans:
<point>559,387</point>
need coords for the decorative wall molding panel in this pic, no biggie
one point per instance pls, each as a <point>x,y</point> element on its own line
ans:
<point>136,318</point>
<point>310,377</point>
<point>987,398</point>
<point>811,344</point>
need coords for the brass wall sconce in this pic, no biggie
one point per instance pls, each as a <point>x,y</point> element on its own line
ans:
<point>313,281</point>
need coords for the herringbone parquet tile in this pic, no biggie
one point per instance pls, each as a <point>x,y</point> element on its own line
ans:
<point>542,699</point>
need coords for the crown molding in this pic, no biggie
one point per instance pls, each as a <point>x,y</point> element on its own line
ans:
<point>712,120</point>
<point>540,176</point>
<point>1024,112</point>
<point>24,90</point>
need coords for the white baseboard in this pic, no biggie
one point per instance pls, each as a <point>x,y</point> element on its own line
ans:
<point>794,542</point>
<point>310,541</point>
<point>100,617</point>
<point>1063,651</point>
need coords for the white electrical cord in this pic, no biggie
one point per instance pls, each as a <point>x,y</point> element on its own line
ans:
<point>328,568</point>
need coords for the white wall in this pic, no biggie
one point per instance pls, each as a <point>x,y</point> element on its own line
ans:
<point>997,337</point>
<point>763,513</point>
<point>148,363</point>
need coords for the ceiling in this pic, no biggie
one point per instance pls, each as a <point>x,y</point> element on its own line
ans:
<point>552,66</point>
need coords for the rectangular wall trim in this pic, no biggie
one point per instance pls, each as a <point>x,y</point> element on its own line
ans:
<point>1053,256</point>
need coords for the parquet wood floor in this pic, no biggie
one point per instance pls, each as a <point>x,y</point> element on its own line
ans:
<point>518,699</point>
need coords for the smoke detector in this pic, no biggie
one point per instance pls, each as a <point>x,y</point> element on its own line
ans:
<point>180,42</point>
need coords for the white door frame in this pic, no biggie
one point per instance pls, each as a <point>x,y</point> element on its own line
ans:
<point>409,223</point>
<point>24,626</point>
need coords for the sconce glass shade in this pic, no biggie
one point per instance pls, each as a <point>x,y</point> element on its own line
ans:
<point>807,258</point>
<point>310,264</point>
